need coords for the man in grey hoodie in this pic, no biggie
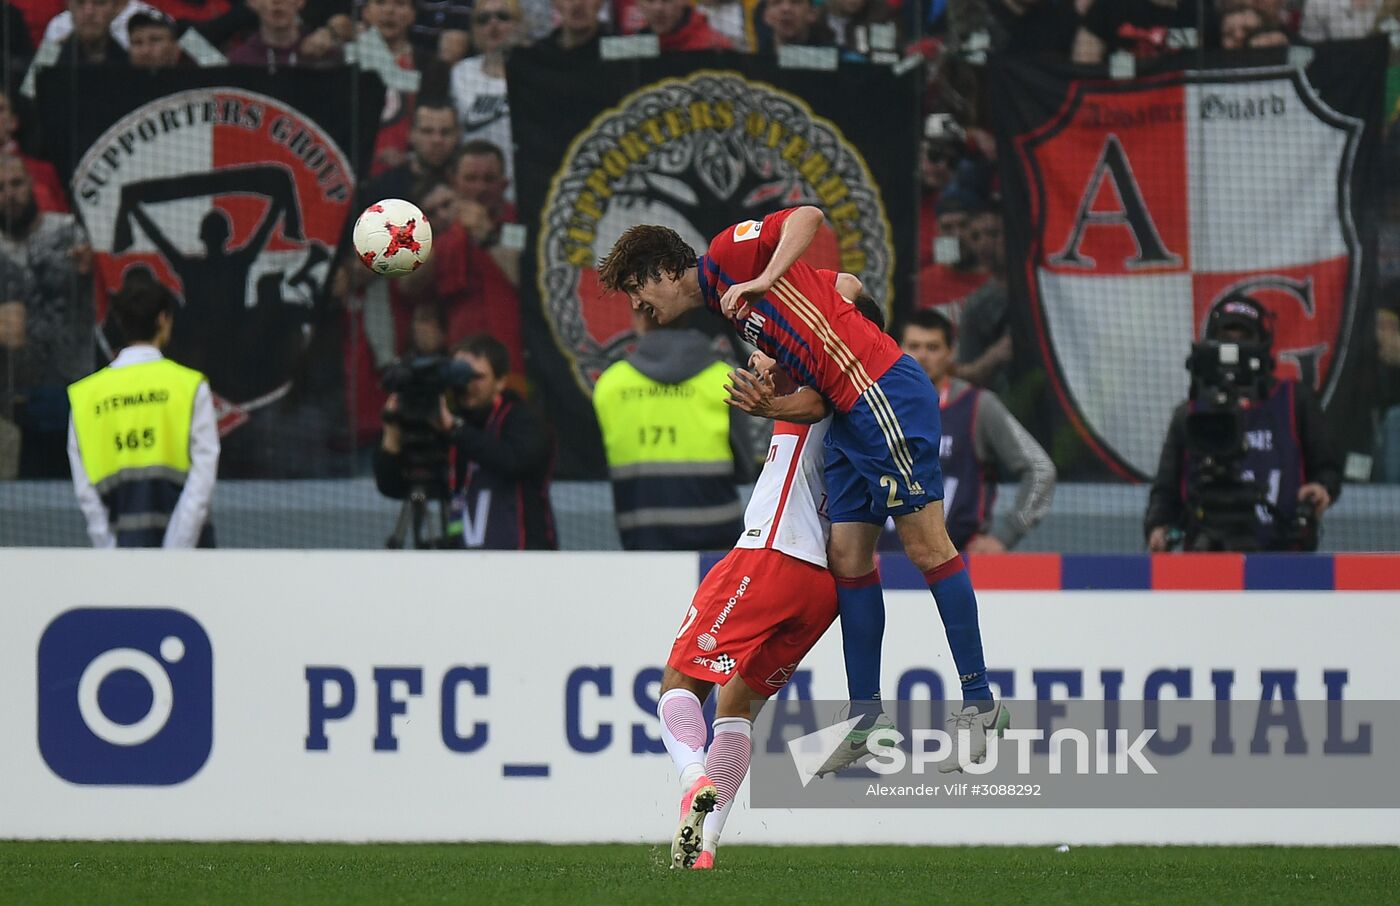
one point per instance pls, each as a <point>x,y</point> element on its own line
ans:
<point>675,449</point>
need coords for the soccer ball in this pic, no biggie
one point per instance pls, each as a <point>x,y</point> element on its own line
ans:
<point>392,237</point>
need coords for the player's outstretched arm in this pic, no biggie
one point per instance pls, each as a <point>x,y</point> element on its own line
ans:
<point>799,229</point>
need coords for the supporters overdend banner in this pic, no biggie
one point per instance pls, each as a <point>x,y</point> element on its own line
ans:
<point>1134,205</point>
<point>696,142</point>
<point>232,186</point>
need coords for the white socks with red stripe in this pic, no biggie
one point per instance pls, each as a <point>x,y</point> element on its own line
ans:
<point>683,731</point>
<point>726,765</point>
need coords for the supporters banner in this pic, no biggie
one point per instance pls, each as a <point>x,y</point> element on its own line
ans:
<point>696,142</point>
<point>1135,205</point>
<point>232,186</point>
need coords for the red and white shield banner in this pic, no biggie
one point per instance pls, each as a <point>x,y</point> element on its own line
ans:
<point>1152,199</point>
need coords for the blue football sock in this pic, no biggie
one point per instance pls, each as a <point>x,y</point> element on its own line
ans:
<point>862,607</point>
<point>957,606</point>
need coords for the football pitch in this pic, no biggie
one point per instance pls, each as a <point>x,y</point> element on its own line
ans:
<point>32,873</point>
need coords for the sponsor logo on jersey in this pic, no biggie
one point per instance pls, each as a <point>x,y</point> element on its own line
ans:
<point>747,230</point>
<point>729,605</point>
<point>722,664</point>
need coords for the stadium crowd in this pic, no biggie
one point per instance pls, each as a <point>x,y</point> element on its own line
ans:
<point>447,147</point>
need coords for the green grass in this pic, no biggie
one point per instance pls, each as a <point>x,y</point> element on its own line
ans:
<point>188,873</point>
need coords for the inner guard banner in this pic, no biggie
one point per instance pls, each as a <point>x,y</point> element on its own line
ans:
<point>232,186</point>
<point>1135,205</point>
<point>696,142</point>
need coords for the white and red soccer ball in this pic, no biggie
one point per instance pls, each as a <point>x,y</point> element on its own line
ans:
<point>392,237</point>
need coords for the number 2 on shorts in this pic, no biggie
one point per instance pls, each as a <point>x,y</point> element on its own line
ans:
<point>891,486</point>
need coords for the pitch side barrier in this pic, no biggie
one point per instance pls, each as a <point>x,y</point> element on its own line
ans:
<point>401,696</point>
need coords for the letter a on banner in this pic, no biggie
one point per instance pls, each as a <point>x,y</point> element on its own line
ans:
<point>1131,214</point>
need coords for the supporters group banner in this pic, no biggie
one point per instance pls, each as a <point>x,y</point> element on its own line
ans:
<point>233,187</point>
<point>1135,205</point>
<point>695,142</point>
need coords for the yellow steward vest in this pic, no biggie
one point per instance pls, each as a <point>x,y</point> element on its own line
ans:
<point>644,421</point>
<point>134,422</point>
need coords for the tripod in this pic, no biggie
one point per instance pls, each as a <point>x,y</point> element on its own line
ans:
<point>414,513</point>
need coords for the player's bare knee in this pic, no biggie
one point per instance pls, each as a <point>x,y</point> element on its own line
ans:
<point>672,678</point>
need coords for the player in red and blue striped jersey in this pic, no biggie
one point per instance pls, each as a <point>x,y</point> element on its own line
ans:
<point>882,448</point>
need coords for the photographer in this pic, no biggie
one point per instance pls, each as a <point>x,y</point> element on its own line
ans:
<point>453,433</point>
<point>1247,464</point>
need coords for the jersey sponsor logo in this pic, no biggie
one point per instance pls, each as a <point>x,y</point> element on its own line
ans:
<point>753,328</point>
<point>722,664</point>
<point>698,154</point>
<point>705,642</point>
<point>1146,207</point>
<point>729,605</point>
<point>753,533</point>
<point>244,233</point>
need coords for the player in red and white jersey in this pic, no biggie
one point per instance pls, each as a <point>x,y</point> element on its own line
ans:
<point>755,616</point>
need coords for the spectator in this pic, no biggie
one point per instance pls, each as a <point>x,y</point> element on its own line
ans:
<point>1387,465</point>
<point>120,13</point>
<point>946,285</point>
<point>499,483</point>
<point>51,253</point>
<point>1140,27</point>
<point>153,44</point>
<point>942,145</point>
<point>90,40</point>
<point>795,22</point>
<point>479,179</point>
<point>1337,20</point>
<point>985,349</point>
<point>391,19</point>
<point>675,449</point>
<point>680,26</point>
<point>1237,22</point>
<point>577,37</point>
<point>48,190</point>
<point>980,438</point>
<point>441,206</point>
<point>432,142</point>
<point>470,274</point>
<point>479,82</point>
<point>281,39</point>
<point>1289,458</point>
<point>154,486</point>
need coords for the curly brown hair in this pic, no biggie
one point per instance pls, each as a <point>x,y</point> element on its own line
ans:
<point>643,253</point>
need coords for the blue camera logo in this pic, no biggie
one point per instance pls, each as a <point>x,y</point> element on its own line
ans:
<point>126,696</point>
